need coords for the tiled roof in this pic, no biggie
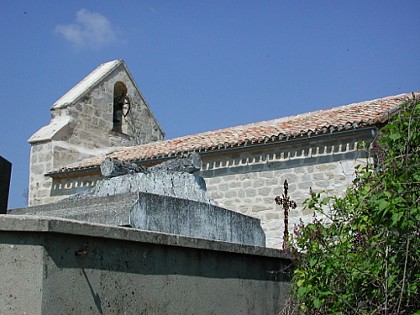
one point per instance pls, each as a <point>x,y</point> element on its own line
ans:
<point>353,116</point>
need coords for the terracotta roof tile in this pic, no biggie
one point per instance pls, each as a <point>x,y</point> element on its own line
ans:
<point>336,119</point>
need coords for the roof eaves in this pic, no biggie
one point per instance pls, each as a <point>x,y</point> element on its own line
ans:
<point>65,171</point>
<point>217,149</point>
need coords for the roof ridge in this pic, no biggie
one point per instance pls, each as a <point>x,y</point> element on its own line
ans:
<point>263,123</point>
<point>86,83</point>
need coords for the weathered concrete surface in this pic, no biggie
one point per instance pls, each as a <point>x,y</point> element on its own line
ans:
<point>112,168</point>
<point>113,210</point>
<point>157,213</point>
<point>175,184</point>
<point>126,271</point>
<point>195,219</point>
<point>189,164</point>
<point>5,173</point>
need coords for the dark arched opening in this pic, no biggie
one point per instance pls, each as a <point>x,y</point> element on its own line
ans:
<point>120,98</point>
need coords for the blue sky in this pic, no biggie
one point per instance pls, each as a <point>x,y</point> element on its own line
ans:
<point>202,65</point>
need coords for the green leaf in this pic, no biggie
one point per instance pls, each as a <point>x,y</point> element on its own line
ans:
<point>396,217</point>
<point>387,194</point>
<point>395,136</point>
<point>390,281</point>
<point>301,292</point>
<point>382,204</point>
<point>317,303</point>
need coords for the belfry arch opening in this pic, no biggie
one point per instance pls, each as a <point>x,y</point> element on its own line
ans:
<point>121,106</point>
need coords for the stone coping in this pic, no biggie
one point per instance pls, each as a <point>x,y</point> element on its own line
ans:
<point>32,223</point>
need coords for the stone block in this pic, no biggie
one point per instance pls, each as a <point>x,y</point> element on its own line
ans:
<point>235,184</point>
<point>305,185</point>
<point>323,183</point>
<point>325,167</point>
<point>272,182</point>
<point>264,191</point>
<point>37,168</point>
<point>223,187</point>
<point>250,193</point>
<point>231,194</point>
<point>215,180</point>
<point>111,210</point>
<point>175,184</point>
<point>266,174</point>
<point>259,182</point>
<point>318,176</point>
<point>195,219</point>
<point>272,216</point>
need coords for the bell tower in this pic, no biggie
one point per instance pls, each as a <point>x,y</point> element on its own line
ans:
<point>104,111</point>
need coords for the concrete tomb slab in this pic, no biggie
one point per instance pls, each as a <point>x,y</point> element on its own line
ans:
<point>158,213</point>
<point>111,210</point>
<point>167,183</point>
<point>166,198</point>
<point>195,219</point>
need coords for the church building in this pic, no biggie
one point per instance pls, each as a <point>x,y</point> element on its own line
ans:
<point>244,167</point>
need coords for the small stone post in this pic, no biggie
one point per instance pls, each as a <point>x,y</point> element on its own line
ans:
<point>5,172</point>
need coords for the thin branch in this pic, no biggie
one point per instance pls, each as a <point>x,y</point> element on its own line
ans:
<point>404,273</point>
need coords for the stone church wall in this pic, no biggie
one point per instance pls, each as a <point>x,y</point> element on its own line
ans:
<point>40,163</point>
<point>248,182</point>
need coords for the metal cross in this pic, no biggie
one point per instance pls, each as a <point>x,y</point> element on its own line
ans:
<point>287,204</point>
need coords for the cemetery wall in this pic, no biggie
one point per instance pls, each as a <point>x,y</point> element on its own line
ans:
<point>53,266</point>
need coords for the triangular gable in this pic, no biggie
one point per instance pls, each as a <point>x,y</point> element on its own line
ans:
<point>82,89</point>
<point>90,81</point>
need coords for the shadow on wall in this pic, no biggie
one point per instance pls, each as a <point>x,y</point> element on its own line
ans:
<point>72,253</point>
<point>280,158</point>
<point>67,187</point>
<point>67,273</point>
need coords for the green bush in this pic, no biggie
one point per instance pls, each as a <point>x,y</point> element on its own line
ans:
<point>361,253</point>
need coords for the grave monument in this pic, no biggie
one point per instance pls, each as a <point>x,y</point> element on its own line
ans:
<point>168,198</point>
<point>5,173</point>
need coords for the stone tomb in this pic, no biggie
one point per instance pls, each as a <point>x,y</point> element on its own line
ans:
<point>5,173</point>
<point>167,198</point>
